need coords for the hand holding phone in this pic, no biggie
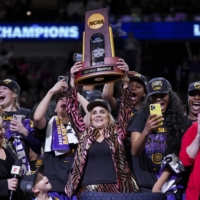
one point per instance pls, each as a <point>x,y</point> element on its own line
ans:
<point>18,127</point>
<point>66,80</point>
<point>156,109</point>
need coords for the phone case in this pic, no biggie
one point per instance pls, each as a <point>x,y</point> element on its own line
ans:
<point>77,57</point>
<point>18,117</point>
<point>156,109</point>
<point>65,77</point>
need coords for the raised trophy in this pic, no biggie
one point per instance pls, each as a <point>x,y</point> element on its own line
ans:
<point>98,56</point>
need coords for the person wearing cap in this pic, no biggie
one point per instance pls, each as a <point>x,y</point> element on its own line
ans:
<point>190,157</point>
<point>33,183</point>
<point>100,164</point>
<point>193,103</point>
<point>191,116</point>
<point>155,144</point>
<point>19,125</point>
<point>58,138</point>
<point>7,159</point>
<point>138,84</point>
<point>89,95</point>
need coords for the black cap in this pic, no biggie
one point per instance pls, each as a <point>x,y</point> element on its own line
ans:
<point>194,86</point>
<point>28,179</point>
<point>159,85</point>
<point>134,76</point>
<point>11,85</point>
<point>60,95</point>
<point>99,102</point>
<point>92,95</point>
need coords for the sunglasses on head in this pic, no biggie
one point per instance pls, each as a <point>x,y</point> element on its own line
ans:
<point>194,93</point>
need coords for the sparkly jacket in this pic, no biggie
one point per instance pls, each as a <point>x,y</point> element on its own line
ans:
<point>114,135</point>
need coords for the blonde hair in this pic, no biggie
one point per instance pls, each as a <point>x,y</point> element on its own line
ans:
<point>112,121</point>
<point>3,144</point>
<point>16,103</point>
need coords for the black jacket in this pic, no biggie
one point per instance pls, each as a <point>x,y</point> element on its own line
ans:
<point>6,174</point>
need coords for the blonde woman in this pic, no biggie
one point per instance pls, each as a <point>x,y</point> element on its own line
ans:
<point>18,124</point>
<point>100,164</point>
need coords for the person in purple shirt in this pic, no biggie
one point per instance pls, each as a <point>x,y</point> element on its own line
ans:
<point>58,138</point>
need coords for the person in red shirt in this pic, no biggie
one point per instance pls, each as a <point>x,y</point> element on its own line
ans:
<point>190,156</point>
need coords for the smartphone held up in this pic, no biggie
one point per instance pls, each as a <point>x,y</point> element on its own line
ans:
<point>77,57</point>
<point>18,117</point>
<point>66,80</point>
<point>156,109</point>
<point>63,77</point>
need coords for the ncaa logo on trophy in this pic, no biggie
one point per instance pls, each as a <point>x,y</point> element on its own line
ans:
<point>98,56</point>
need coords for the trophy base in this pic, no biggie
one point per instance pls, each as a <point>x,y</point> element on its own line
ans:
<point>99,74</point>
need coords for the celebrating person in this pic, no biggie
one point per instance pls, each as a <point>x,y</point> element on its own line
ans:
<point>155,144</point>
<point>59,139</point>
<point>191,115</point>
<point>18,125</point>
<point>193,104</point>
<point>138,85</point>
<point>33,183</point>
<point>100,163</point>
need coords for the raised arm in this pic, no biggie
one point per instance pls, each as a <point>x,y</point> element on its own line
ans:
<point>107,94</point>
<point>75,68</point>
<point>108,89</point>
<point>126,103</point>
<point>39,116</point>
<point>72,102</point>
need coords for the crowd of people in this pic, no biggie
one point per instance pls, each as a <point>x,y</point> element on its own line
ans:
<point>36,75</point>
<point>99,143</point>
